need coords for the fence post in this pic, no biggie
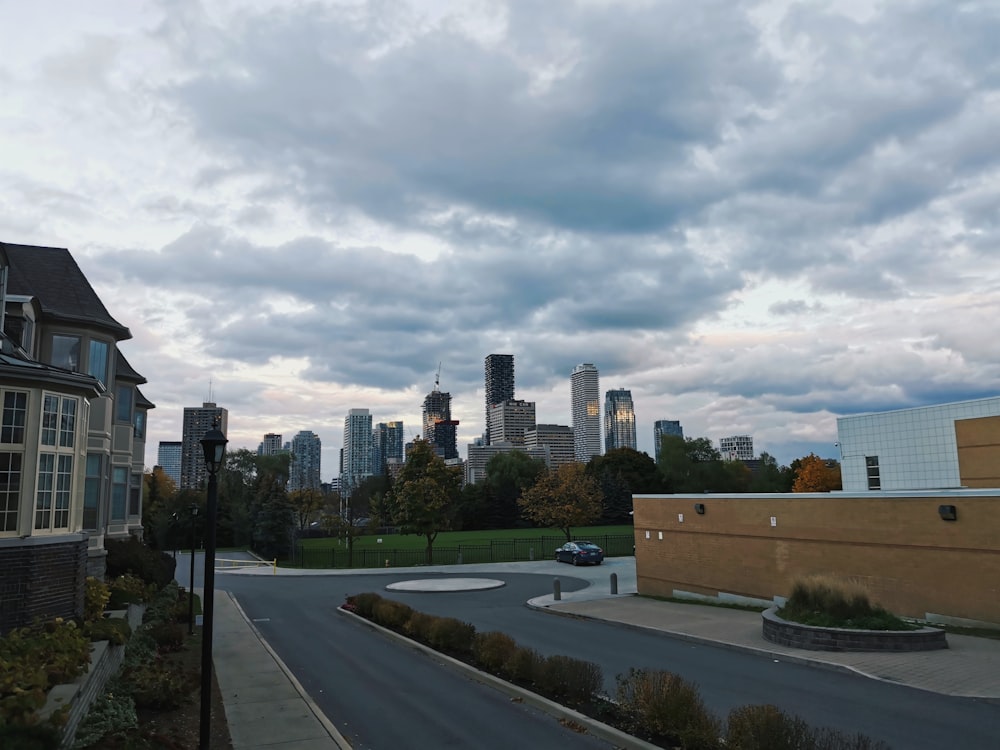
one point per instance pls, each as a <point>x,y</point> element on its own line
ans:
<point>614,583</point>
<point>531,554</point>
<point>556,589</point>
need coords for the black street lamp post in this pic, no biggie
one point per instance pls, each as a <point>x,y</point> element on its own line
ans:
<point>194,545</point>
<point>214,445</point>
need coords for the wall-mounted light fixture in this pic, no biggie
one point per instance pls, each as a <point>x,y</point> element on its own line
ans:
<point>699,508</point>
<point>948,512</point>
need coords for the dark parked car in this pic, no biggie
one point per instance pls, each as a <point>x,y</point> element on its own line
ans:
<point>580,553</point>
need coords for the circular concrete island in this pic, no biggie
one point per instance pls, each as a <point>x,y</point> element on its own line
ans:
<point>438,585</point>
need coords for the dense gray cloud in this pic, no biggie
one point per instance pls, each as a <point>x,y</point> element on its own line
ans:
<point>755,216</point>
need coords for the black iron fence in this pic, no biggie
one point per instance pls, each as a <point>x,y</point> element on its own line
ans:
<point>498,550</point>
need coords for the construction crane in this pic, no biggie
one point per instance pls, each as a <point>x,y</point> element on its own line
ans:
<point>437,378</point>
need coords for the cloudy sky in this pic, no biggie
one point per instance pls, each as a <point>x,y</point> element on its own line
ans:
<point>756,216</point>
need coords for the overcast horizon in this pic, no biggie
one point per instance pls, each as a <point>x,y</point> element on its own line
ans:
<point>756,216</point>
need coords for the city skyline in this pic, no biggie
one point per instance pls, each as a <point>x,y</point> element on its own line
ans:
<point>757,217</point>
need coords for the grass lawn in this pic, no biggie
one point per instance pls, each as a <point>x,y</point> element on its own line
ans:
<point>457,538</point>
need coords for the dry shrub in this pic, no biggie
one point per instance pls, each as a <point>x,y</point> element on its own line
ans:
<point>837,597</point>
<point>766,727</point>
<point>450,634</point>
<point>666,705</point>
<point>570,679</point>
<point>391,614</point>
<point>418,626</point>
<point>523,665</point>
<point>492,650</point>
<point>364,604</point>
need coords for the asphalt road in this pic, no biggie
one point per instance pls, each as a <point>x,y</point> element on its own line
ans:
<point>377,691</point>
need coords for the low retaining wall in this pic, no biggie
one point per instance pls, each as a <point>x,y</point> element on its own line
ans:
<point>812,638</point>
<point>79,695</point>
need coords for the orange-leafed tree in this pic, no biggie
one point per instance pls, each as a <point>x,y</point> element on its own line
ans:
<point>815,474</point>
<point>563,498</point>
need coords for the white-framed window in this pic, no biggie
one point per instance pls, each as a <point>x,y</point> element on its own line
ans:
<point>54,488</point>
<point>12,421</point>
<point>66,352</point>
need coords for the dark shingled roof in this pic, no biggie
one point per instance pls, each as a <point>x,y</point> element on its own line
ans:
<point>125,371</point>
<point>52,276</point>
<point>142,402</point>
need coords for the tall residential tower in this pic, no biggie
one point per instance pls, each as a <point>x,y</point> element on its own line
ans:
<point>197,421</point>
<point>356,458</point>
<point>499,385</point>
<point>619,420</point>
<point>663,428</point>
<point>304,469</point>
<point>586,408</point>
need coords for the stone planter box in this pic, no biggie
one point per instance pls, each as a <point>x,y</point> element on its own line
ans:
<point>811,638</point>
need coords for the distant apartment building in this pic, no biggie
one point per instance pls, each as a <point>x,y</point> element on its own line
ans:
<point>168,458</point>
<point>665,428</point>
<point>509,420</point>
<point>586,410</point>
<point>736,448</point>
<point>478,454</point>
<point>387,445</point>
<point>619,420</point>
<point>304,468</point>
<point>270,445</point>
<point>944,446</point>
<point>558,438</point>
<point>197,421</point>
<point>499,385</point>
<point>356,456</point>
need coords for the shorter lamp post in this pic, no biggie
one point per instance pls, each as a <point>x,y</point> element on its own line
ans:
<point>193,508</point>
<point>214,445</point>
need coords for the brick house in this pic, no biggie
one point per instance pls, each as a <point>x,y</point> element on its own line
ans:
<point>72,436</point>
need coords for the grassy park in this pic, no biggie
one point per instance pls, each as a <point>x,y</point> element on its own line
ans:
<point>452,547</point>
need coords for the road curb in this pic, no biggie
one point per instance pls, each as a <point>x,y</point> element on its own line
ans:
<point>616,737</point>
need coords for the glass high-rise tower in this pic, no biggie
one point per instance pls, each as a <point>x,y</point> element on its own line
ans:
<point>304,470</point>
<point>586,410</point>
<point>663,428</point>
<point>356,464</point>
<point>499,385</point>
<point>619,420</point>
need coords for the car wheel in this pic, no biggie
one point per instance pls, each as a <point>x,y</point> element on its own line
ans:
<point>576,560</point>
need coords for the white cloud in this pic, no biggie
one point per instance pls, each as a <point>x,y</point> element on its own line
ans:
<point>755,216</point>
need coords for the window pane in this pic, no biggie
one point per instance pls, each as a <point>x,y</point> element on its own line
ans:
<point>123,408</point>
<point>10,490</point>
<point>97,365</point>
<point>15,411</point>
<point>43,497</point>
<point>134,495</point>
<point>119,490</point>
<point>67,425</point>
<point>66,352</point>
<point>50,418</point>
<point>64,485</point>
<point>140,425</point>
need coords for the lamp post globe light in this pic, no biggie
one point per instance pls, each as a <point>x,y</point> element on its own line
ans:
<point>214,446</point>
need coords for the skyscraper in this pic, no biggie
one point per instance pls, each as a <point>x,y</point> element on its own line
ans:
<point>439,427</point>
<point>197,421</point>
<point>499,384</point>
<point>304,469</point>
<point>663,428</point>
<point>168,457</point>
<point>586,409</point>
<point>387,445</point>
<point>558,438</point>
<point>356,460</point>
<point>619,420</point>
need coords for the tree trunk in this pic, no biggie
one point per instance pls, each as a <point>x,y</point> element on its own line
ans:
<point>430,550</point>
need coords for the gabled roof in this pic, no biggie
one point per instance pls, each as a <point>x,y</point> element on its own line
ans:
<point>15,364</point>
<point>51,275</point>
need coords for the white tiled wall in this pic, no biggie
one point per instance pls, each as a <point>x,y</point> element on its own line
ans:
<point>916,448</point>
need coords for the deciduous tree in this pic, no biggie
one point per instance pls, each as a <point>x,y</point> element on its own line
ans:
<point>816,474</point>
<point>563,498</point>
<point>425,495</point>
